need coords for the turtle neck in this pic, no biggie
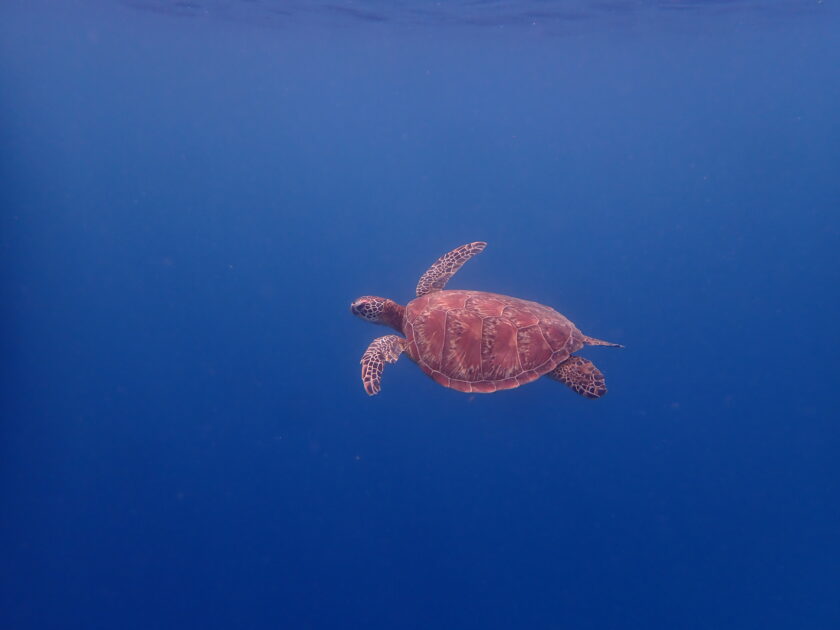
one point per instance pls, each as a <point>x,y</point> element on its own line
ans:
<point>392,315</point>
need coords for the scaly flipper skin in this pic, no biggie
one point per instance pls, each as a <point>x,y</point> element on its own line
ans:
<point>581,376</point>
<point>381,350</point>
<point>445,267</point>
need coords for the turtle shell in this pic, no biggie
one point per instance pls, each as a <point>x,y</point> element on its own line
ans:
<point>474,341</point>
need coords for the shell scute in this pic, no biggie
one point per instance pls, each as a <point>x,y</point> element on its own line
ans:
<point>499,353</point>
<point>462,345</point>
<point>520,318</point>
<point>527,377</point>
<point>429,334</point>
<point>534,350</point>
<point>507,383</point>
<point>484,387</point>
<point>558,336</point>
<point>461,386</point>
<point>486,306</point>
<point>441,379</point>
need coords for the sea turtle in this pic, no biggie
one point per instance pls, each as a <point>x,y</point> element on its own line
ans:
<point>475,341</point>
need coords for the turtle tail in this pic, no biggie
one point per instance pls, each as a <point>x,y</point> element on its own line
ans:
<point>591,341</point>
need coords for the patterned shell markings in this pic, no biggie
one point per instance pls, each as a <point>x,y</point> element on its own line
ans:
<point>474,341</point>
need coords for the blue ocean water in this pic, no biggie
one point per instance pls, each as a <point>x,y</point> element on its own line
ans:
<point>194,192</point>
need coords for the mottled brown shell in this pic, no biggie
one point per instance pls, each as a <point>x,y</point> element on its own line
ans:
<point>474,341</point>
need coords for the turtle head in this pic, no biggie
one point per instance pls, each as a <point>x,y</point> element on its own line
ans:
<point>378,310</point>
<point>369,308</point>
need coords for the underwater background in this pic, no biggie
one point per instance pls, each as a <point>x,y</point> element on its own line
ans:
<point>194,192</point>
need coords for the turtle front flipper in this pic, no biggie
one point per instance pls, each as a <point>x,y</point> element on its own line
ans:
<point>581,376</point>
<point>381,350</point>
<point>445,267</point>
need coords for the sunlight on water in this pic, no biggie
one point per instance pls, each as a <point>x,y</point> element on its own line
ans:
<point>551,15</point>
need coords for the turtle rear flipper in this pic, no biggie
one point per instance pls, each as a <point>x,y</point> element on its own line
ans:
<point>581,376</point>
